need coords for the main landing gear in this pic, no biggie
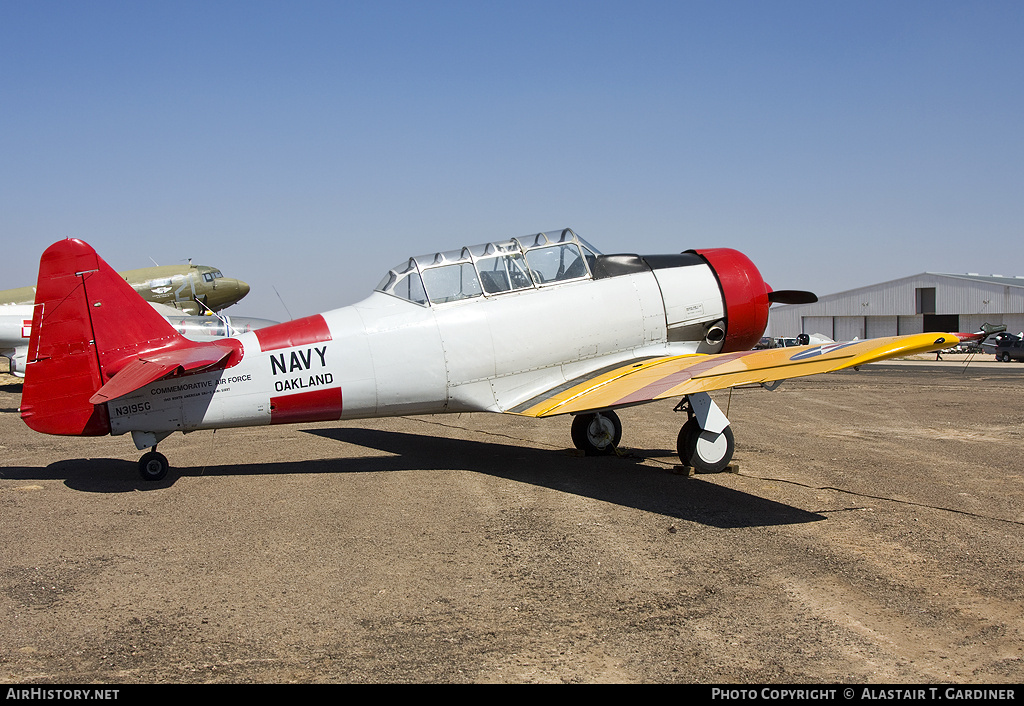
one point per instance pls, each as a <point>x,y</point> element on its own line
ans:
<point>705,443</point>
<point>596,433</point>
<point>703,450</point>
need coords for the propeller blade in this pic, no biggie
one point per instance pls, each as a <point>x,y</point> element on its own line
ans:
<point>791,296</point>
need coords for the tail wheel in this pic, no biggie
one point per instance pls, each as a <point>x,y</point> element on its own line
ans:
<point>153,466</point>
<point>596,434</point>
<point>705,451</point>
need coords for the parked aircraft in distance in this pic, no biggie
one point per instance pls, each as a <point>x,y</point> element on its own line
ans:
<point>176,290</point>
<point>191,289</point>
<point>16,329</point>
<point>536,326</point>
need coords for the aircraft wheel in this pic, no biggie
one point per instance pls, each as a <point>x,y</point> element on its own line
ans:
<point>596,434</point>
<point>705,451</point>
<point>153,466</point>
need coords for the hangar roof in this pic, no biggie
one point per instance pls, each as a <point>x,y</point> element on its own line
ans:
<point>1017,281</point>
<point>998,280</point>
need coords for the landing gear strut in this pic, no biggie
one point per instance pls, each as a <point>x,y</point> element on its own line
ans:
<point>153,466</point>
<point>705,442</point>
<point>597,433</point>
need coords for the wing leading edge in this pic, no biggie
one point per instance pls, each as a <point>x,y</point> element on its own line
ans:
<point>676,376</point>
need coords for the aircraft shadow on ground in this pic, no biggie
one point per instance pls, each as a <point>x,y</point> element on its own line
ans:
<point>13,388</point>
<point>622,481</point>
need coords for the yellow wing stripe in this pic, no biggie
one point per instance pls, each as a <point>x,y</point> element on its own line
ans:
<point>676,376</point>
<point>556,397</point>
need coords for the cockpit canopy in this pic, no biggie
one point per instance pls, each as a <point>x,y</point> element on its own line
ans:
<point>210,274</point>
<point>492,269</point>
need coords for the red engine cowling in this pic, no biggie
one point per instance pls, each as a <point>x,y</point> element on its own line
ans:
<point>745,295</point>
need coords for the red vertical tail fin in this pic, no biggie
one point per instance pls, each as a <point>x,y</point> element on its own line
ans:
<point>87,324</point>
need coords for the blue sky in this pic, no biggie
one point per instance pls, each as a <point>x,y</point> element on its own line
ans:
<point>309,146</point>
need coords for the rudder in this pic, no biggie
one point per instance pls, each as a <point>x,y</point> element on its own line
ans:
<point>87,323</point>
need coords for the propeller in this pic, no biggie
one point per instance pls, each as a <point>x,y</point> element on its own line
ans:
<point>791,296</point>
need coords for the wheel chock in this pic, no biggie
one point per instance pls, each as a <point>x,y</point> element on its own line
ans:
<point>691,471</point>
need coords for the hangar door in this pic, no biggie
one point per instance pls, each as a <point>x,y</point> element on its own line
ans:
<point>909,324</point>
<point>879,326</point>
<point>818,324</point>
<point>848,328</point>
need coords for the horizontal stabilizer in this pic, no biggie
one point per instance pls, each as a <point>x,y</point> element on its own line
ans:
<point>153,366</point>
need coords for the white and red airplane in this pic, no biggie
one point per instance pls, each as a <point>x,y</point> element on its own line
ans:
<point>535,326</point>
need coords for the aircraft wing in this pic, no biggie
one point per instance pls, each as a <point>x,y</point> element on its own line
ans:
<point>676,376</point>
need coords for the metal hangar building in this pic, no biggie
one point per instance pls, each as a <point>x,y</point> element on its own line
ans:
<point>929,301</point>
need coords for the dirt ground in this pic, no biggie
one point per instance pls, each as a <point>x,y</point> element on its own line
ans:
<point>873,534</point>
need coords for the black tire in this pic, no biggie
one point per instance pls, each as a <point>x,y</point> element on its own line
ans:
<point>596,434</point>
<point>708,454</point>
<point>1006,357</point>
<point>153,466</point>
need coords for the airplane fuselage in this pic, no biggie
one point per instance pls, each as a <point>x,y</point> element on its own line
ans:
<point>390,356</point>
